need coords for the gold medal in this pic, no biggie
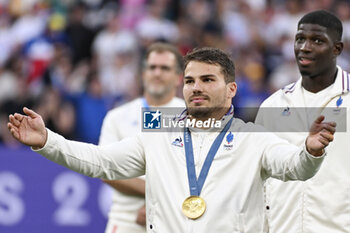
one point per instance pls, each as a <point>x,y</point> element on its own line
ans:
<point>193,207</point>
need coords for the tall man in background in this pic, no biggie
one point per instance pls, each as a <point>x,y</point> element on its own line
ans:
<point>321,204</point>
<point>161,75</point>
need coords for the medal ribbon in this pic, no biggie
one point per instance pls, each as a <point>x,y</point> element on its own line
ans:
<point>197,185</point>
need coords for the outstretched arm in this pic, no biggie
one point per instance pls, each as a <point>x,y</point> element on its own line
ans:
<point>119,160</point>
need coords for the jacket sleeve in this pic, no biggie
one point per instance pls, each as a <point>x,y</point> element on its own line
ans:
<point>120,160</point>
<point>286,161</point>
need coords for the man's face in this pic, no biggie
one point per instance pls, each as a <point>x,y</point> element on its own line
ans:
<point>314,49</point>
<point>160,76</point>
<point>205,91</point>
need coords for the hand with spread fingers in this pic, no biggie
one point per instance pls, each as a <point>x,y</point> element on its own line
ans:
<point>28,129</point>
<point>320,135</point>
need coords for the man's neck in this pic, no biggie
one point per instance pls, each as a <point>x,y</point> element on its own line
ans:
<point>320,82</point>
<point>211,122</point>
<point>217,115</point>
<point>158,101</point>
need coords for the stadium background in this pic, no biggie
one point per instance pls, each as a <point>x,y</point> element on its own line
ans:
<point>72,61</point>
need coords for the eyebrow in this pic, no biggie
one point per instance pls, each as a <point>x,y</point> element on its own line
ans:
<point>202,76</point>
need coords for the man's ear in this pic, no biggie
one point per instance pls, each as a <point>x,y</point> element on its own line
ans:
<point>232,89</point>
<point>338,48</point>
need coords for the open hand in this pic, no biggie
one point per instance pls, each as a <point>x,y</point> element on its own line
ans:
<point>28,129</point>
<point>320,135</point>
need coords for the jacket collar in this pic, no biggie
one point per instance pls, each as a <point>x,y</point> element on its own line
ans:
<point>293,92</point>
<point>224,120</point>
<point>342,82</point>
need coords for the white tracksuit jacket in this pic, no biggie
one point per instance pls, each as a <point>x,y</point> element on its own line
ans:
<point>321,204</point>
<point>233,190</point>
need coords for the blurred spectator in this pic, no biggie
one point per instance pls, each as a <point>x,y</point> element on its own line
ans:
<point>119,80</point>
<point>201,12</point>
<point>58,72</point>
<point>111,41</point>
<point>59,115</point>
<point>91,107</point>
<point>250,80</point>
<point>286,16</point>
<point>13,102</point>
<point>80,36</point>
<point>115,51</point>
<point>237,24</point>
<point>39,52</point>
<point>286,70</point>
<point>131,12</point>
<point>51,48</point>
<point>154,26</point>
<point>8,85</point>
<point>7,43</point>
<point>29,25</point>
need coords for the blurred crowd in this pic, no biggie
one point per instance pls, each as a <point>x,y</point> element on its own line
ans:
<point>72,60</point>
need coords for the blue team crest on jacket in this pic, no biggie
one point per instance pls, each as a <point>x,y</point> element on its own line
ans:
<point>228,145</point>
<point>229,137</point>
<point>339,101</point>
<point>178,142</point>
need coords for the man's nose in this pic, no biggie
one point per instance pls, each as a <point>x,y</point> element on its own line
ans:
<point>306,46</point>
<point>157,71</point>
<point>197,87</point>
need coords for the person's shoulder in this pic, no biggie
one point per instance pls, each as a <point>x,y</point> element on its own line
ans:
<point>290,88</point>
<point>272,99</point>
<point>275,99</point>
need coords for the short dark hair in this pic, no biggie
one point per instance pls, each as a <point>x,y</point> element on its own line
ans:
<point>160,47</point>
<point>325,19</point>
<point>213,56</point>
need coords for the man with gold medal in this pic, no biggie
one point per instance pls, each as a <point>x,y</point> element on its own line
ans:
<point>198,178</point>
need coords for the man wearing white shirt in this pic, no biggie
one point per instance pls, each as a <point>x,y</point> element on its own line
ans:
<point>161,75</point>
<point>322,203</point>
<point>198,179</point>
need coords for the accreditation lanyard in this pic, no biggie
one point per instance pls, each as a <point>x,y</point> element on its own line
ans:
<point>197,185</point>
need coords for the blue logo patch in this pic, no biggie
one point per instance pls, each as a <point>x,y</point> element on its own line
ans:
<point>229,139</point>
<point>339,102</point>
<point>152,119</point>
<point>177,142</point>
